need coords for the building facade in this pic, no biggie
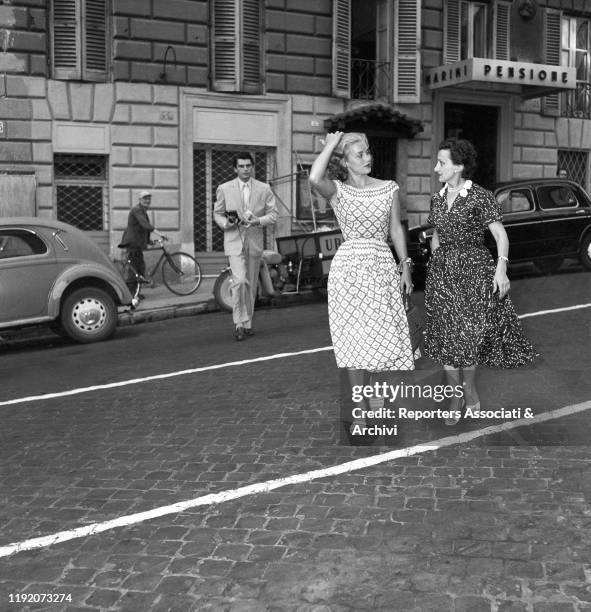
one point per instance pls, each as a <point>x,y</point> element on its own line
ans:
<point>100,99</point>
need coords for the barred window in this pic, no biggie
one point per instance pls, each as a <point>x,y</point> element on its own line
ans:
<point>79,41</point>
<point>81,188</point>
<point>573,165</point>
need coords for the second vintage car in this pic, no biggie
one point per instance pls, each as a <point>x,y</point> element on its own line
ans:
<point>52,273</point>
<point>547,221</point>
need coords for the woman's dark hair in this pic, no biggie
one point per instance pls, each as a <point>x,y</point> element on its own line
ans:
<point>244,155</point>
<point>461,152</point>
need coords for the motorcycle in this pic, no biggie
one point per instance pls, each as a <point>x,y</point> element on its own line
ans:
<point>273,279</point>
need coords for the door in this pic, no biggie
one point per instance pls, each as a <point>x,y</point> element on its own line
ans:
<point>565,216</point>
<point>479,125</point>
<point>522,222</point>
<point>27,274</point>
<point>383,151</point>
<point>213,165</point>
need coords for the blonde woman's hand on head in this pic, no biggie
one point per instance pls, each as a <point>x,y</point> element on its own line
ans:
<point>332,139</point>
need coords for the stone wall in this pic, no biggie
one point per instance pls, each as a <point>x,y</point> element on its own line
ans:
<point>23,37</point>
<point>299,46</point>
<point>142,32</point>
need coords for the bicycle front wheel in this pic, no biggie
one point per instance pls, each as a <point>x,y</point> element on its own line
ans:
<point>181,273</point>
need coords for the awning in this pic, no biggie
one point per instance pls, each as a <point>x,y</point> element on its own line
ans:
<point>522,78</point>
<point>374,119</point>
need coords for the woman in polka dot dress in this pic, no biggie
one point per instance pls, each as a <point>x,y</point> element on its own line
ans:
<point>470,319</point>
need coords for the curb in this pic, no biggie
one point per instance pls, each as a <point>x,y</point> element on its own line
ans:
<point>152,315</point>
<point>165,312</point>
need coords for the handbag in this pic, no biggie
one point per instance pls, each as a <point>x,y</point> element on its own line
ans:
<point>416,327</point>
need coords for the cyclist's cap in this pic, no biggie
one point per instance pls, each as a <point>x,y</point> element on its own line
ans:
<point>145,194</point>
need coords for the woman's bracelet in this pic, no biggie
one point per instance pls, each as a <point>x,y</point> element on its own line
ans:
<point>502,258</point>
<point>406,260</point>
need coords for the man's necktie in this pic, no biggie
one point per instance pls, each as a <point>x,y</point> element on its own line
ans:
<point>246,196</point>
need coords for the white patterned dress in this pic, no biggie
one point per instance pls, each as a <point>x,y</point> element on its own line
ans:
<point>367,319</point>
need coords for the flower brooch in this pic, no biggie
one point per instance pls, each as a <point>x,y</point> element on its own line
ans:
<point>463,191</point>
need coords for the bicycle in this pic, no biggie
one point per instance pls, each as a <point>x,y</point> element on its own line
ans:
<point>181,273</point>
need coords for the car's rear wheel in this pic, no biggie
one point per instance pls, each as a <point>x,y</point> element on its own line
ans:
<point>89,315</point>
<point>586,251</point>
<point>548,265</point>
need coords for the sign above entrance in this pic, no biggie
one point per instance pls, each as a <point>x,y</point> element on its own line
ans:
<point>542,77</point>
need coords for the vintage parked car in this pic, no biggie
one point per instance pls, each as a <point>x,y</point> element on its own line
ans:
<point>52,273</point>
<point>547,220</point>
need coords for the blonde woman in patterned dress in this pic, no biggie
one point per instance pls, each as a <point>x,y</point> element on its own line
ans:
<point>470,318</point>
<point>367,319</point>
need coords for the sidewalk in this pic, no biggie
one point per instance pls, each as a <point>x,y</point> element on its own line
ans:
<point>160,304</point>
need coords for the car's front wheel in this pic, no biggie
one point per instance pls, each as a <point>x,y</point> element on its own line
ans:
<point>89,315</point>
<point>586,251</point>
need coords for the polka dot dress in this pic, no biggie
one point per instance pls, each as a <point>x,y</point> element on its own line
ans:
<point>467,324</point>
<point>367,319</point>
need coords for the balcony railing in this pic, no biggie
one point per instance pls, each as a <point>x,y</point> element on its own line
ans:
<point>577,102</point>
<point>370,79</point>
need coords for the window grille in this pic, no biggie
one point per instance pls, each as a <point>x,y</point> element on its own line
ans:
<point>81,188</point>
<point>212,166</point>
<point>575,164</point>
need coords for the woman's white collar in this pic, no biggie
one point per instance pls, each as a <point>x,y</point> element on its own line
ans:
<point>463,192</point>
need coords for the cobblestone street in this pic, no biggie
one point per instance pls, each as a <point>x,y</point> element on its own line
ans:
<point>425,522</point>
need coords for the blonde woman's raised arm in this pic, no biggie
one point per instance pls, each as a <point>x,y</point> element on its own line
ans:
<point>324,186</point>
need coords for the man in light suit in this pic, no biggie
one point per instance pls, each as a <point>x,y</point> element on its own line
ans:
<point>242,208</point>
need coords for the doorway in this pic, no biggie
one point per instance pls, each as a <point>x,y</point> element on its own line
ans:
<point>479,125</point>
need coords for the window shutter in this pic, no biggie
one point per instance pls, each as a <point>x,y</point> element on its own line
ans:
<point>551,103</point>
<point>95,40</point>
<point>252,52</point>
<point>225,42</point>
<point>341,48</point>
<point>502,25</point>
<point>452,33</point>
<point>66,40</point>
<point>407,57</point>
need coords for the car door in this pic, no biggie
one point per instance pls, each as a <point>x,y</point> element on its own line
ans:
<point>522,222</point>
<point>565,213</point>
<point>27,274</point>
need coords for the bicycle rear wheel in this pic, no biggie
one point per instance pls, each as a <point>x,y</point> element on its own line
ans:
<point>181,273</point>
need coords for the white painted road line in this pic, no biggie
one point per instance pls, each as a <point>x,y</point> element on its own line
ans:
<point>137,381</point>
<point>540,313</point>
<point>231,364</point>
<point>270,485</point>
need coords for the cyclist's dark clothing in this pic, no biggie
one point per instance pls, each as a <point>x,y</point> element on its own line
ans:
<point>135,240</point>
<point>137,232</point>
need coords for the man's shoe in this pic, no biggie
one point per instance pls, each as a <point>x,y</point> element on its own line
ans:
<point>239,334</point>
<point>248,332</point>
